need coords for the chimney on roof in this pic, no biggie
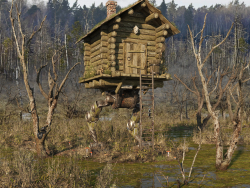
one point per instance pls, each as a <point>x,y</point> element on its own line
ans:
<point>111,8</point>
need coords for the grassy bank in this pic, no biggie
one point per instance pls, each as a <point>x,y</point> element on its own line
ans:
<point>69,166</point>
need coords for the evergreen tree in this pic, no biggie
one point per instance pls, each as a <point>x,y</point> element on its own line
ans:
<point>163,8</point>
<point>189,15</point>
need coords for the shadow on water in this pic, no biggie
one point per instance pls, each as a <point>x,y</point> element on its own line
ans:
<point>179,132</point>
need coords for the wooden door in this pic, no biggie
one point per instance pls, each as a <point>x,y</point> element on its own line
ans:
<point>135,58</point>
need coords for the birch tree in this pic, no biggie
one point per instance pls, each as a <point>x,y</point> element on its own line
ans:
<point>222,162</point>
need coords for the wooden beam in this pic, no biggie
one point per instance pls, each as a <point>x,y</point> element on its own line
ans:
<point>162,33</point>
<point>130,11</point>
<point>118,19</point>
<point>111,40</point>
<point>162,27</point>
<point>133,19</point>
<point>151,17</point>
<point>160,39</point>
<point>159,45</point>
<point>113,34</point>
<point>142,31</point>
<point>134,36</point>
<point>132,25</point>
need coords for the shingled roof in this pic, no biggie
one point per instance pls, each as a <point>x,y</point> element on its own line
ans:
<point>151,9</point>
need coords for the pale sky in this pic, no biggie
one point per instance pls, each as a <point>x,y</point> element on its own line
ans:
<point>196,3</point>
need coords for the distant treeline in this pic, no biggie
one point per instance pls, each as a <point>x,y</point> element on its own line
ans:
<point>67,23</point>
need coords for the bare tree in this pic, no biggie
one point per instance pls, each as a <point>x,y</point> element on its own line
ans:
<point>54,88</point>
<point>221,163</point>
<point>235,117</point>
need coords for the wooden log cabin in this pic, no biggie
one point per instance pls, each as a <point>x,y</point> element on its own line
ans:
<point>123,44</point>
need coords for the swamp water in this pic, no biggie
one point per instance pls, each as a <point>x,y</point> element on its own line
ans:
<point>153,174</point>
<point>237,176</point>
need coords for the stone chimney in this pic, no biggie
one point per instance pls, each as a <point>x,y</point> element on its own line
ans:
<point>111,8</point>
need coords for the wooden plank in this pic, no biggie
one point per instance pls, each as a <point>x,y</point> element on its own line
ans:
<point>87,53</point>
<point>87,48</point>
<point>127,58</point>
<point>143,59</point>
<point>96,58</point>
<point>134,36</point>
<point>140,26</point>
<point>104,50</point>
<point>149,43</point>
<point>134,58</point>
<point>97,47</point>
<point>95,43</point>
<point>137,14</point>
<point>86,44</point>
<point>141,31</point>
<point>86,58</point>
<point>95,53</point>
<point>133,19</point>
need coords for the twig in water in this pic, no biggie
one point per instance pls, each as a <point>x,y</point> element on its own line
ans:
<point>202,180</point>
<point>198,149</point>
<point>159,181</point>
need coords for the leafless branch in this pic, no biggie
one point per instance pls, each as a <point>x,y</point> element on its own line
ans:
<point>66,77</point>
<point>216,83</point>
<point>21,108</point>
<point>38,80</point>
<point>159,181</point>
<point>208,55</point>
<point>184,84</point>
<point>34,32</point>
<point>198,149</point>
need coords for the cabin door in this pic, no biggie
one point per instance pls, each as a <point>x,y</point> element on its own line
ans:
<point>135,58</point>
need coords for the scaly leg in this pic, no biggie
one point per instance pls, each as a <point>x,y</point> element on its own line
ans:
<point>93,116</point>
<point>133,124</point>
<point>125,99</point>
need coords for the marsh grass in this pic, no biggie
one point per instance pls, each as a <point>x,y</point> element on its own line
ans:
<point>69,166</point>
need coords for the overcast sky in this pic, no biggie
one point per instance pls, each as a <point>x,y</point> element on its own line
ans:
<point>196,3</point>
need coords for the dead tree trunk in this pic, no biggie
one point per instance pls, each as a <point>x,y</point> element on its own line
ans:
<point>221,163</point>
<point>54,88</point>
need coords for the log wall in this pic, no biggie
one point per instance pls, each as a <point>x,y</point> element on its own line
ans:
<point>104,53</point>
